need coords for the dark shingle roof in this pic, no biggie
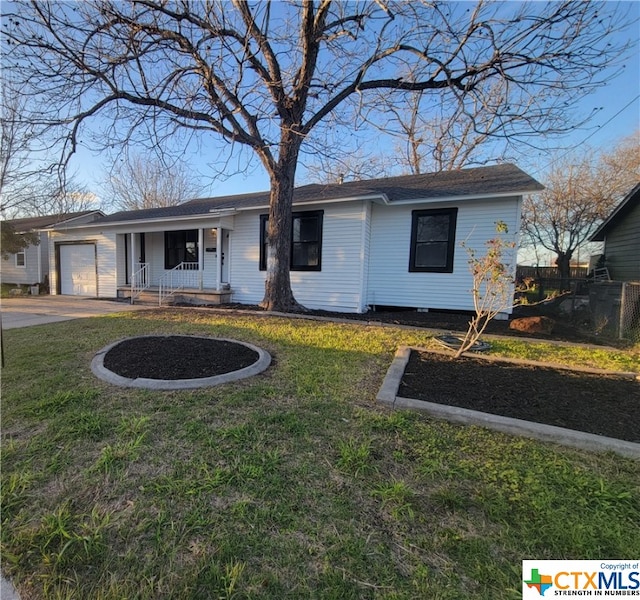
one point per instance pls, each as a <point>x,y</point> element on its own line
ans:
<point>481,181</point>
<point>34,223</point>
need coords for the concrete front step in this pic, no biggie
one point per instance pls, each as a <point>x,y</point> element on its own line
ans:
<point>187,296</point>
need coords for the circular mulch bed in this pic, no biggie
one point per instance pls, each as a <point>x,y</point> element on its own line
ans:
<point>178,361</point>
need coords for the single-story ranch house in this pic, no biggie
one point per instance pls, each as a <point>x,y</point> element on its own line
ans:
<point>355,245</point>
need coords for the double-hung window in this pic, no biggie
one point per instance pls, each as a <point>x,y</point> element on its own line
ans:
<point>179,247</point>
<point>306,241</point>
<point>21,259</point>
<point>433,234</point>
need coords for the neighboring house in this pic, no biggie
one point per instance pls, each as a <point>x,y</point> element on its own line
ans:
<point>355,245</point>
<point>621,236</point>
<point>32,264</point>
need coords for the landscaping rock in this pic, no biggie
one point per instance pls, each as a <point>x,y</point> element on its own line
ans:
<point>533,325</point>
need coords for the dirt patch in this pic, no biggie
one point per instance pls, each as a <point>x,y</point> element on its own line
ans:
<point>177,357</point>
<point>601,404</point>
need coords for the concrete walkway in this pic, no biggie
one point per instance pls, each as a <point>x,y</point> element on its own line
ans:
<point>7,591</point>
<point>24,311</point>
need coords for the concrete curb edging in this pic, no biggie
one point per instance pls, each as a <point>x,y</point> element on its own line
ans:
<point>100,371</point>
<point>559,435</point>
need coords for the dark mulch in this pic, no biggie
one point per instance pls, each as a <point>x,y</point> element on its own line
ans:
<point>456,321</point>
<point>564,328</point>
<point>600,404</point>
<point>177,357</point>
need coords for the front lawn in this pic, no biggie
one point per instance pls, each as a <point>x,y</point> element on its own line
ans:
<point>294,484</point>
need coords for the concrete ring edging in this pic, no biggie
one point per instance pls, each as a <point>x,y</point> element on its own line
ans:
<point>388,394</point>
<point>100,371</point>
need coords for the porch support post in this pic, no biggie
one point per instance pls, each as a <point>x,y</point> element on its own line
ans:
<point>133,265</point>
<point>133,256</point>
<point>39,254</point>
<point>219,259</point>
<point>200,258</point>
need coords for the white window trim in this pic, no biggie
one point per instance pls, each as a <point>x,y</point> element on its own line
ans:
<point>24,260</point>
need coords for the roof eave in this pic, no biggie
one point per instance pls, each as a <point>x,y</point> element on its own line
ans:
<point>378,198</point>
<point>466,197</point>
<point>601,233</point>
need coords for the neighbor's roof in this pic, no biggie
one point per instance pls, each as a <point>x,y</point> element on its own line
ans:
<point>499,180</point>
<point>35,223</point>
<point>631,200</point>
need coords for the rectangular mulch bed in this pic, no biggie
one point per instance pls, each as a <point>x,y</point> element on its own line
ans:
<point>605,405</point>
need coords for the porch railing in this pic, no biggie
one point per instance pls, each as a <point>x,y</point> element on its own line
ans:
<point>185,275</point>
<point>139,280</point>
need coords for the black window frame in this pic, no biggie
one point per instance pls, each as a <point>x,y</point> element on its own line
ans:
<point>309,214</point>
<point>176,242</point>
<point>452,213</point>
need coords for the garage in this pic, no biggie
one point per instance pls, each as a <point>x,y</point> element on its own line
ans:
<point>77,269</point>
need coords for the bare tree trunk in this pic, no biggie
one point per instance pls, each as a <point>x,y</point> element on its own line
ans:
<point>563,262</point>
<point>277,288</point>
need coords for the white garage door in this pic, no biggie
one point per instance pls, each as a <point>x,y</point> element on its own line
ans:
<point>78,270</point>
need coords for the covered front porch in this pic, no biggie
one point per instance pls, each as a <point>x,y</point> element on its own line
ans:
<point>184,262</point>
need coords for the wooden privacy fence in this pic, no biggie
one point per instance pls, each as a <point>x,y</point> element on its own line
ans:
<point>548,279</point>
<point>550,272</point>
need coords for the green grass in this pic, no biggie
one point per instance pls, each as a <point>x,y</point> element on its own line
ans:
<point>294,484</point>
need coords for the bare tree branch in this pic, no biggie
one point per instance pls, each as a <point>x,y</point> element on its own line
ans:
<point>581,190</point>
<point>265,76</point>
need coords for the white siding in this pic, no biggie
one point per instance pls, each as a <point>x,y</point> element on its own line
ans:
<point>391,283</point>
<point>338,286</point>
<point>105,256</point>
<point>209,275</point>
<point>27,274</point>
<point>121,258</point>
<point>247,282</point>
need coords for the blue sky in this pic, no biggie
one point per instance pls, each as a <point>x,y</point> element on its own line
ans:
<point>617,116</point>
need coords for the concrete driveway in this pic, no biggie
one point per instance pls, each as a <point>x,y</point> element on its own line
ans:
<point>24,311</point>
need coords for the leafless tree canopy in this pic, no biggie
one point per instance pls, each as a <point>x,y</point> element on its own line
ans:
<point>581,190</point>
<point>22,179</point>
<point>138,182</point>
<point>28,185</point>
<point>459,130</point>
<point>266,75</point>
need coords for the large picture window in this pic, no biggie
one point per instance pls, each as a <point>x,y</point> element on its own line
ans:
<point>306,241</point>
<point>179,247</point>
<point>433,234</point>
